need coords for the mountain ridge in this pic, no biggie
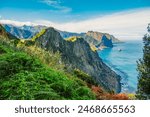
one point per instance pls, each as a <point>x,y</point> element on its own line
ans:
<point>79,55</point>
<point>98,39</point>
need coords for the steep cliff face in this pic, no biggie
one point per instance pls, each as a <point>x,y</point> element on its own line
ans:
<point>101,38</point>
<point>78,54</point>
<point>106,42</point>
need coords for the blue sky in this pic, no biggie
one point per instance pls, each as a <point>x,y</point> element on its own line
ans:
<point>65,10</point>
<point>65,14</point>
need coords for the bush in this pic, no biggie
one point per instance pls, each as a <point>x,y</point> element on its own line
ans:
<point>23,76</point>
<point>85,77</point>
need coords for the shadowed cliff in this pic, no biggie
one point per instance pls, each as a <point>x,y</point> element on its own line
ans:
<point>78,54</point>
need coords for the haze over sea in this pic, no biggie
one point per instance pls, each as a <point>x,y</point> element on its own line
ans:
<point>122,58</point>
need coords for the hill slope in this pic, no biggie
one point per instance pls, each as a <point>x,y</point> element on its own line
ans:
<point>25,76</point>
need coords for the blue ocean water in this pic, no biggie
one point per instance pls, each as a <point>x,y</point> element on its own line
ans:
<point>122,58</point>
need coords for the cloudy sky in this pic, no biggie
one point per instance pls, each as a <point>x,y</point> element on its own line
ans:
<point>126,19</point>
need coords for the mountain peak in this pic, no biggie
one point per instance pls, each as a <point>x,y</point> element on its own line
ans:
<point>78,54</point>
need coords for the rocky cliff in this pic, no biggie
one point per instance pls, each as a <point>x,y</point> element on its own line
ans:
<point>78,54</point>
<point>99,36</point>
<point>96,38</point>
<point>103,39</point>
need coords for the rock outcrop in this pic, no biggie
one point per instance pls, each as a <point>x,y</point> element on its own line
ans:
<point>78,54</point>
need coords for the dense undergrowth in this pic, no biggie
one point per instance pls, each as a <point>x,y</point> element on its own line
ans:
<point>23,75</point>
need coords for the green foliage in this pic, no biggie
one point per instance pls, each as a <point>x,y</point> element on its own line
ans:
<point>85,77</point>
<point>29,42</point>
<point>16,62</point>
<point>144,71</point>
<point>38,34</point>
<point>72,39</point>
<point>49,58</point>
<point>24,76</point>
<point>2,50</point>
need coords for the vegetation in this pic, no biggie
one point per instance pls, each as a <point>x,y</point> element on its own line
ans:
<point>101,94</point>
<point>38,34</point>
<point>93,48</point>
<point>85,77</point>
<point>29,42</point>
<point>144,71</point>
<point>25,77</point>
<point>49,58</point>
<point>72,39</point>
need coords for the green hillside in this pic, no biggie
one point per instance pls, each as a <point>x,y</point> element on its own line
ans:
<point>24,76</point>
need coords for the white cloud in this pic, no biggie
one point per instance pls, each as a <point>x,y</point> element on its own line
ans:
<point>57,5</point>
<point>17,23</point>
<point>123,25</point>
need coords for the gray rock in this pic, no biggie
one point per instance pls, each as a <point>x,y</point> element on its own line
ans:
<point>79,55</point>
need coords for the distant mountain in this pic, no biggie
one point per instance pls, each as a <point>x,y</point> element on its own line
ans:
<point>5,34</point>
<point>95,38</point>
<point>99,36</point>
<point>66,34</point>
<point>23,32</point>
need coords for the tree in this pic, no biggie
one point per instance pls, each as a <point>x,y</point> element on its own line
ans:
<point>143,91</point>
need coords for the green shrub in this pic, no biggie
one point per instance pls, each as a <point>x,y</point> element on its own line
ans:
<point>24,76</point>
<point>85,77</point>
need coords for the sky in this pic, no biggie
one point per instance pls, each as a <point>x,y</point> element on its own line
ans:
<point>125,19</point>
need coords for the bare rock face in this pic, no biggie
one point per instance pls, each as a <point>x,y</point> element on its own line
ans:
<point>99,36</point>
<point>103,40</point>
<point>78,54</point>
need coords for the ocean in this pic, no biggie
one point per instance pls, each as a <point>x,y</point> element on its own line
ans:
<point>122,58</point>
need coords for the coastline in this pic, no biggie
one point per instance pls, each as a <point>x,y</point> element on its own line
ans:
<point>124,63</point>
<point>123,76</point>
